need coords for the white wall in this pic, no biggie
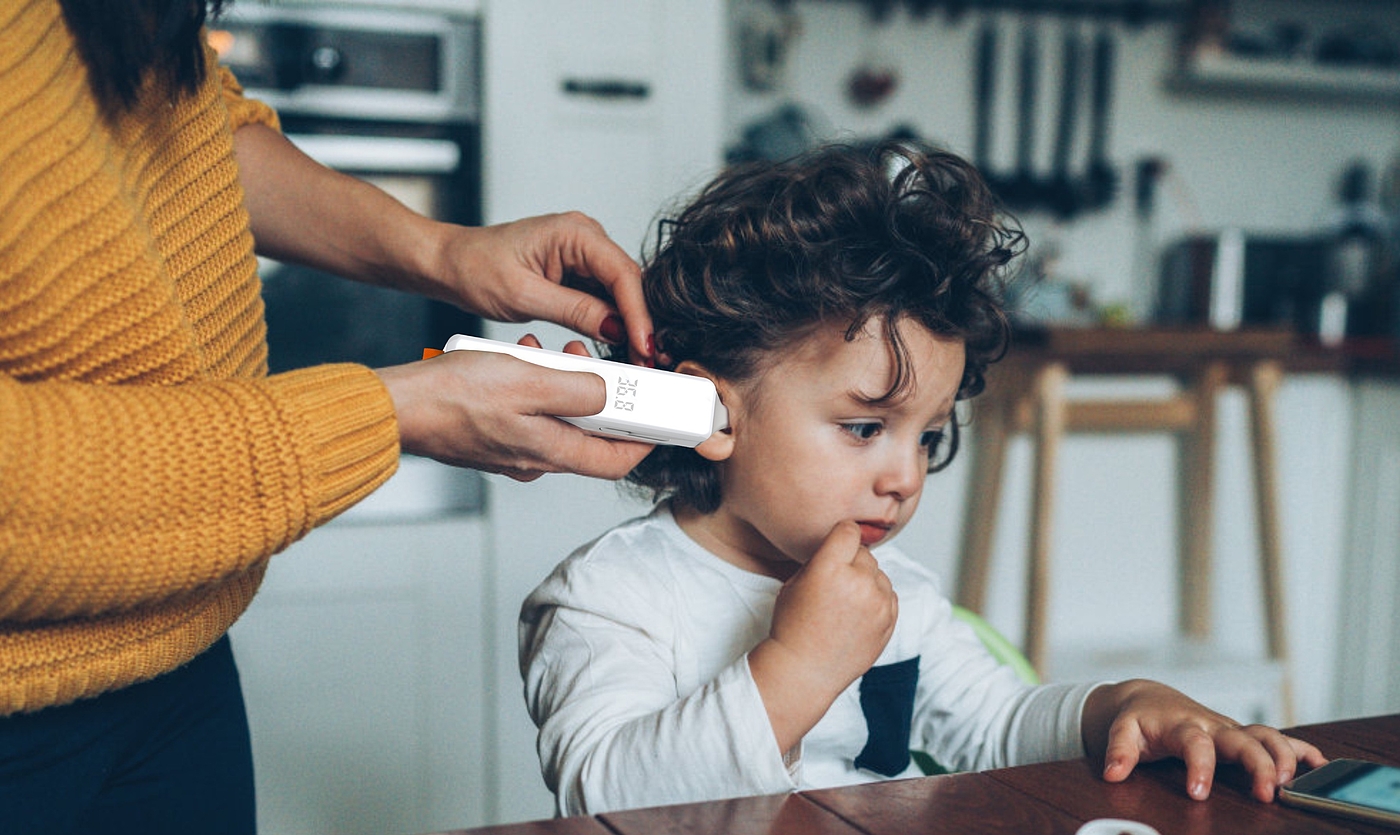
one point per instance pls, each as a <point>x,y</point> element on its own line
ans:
<point>1260,164</point>
<point>1368,680</point>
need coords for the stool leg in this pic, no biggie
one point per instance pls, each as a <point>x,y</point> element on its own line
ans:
<point>989,437</point>
<point>1196,489</point>
<point>1049,429</point>
<point>1264,380</point>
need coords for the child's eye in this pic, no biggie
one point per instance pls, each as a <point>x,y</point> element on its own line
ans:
<point>862,431</point>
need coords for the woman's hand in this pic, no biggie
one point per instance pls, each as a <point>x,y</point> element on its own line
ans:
<point>1141,721</point>
<point>497,413</point>
<point>562,268</point>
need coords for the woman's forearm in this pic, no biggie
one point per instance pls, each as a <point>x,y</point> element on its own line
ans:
<point>304,212</point>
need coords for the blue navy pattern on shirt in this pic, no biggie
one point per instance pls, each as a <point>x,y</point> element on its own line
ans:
<point>887,700</point>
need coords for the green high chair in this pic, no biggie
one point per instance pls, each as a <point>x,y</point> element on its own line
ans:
<point>1002,650</point>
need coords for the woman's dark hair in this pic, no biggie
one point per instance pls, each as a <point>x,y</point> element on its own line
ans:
<point>769,252</point>
<point>125,41</point>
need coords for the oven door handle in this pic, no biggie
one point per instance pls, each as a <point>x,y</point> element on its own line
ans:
<point>380,154</point>
<point>606,88</point>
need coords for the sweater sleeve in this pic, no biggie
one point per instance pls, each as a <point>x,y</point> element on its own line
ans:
<point>614,731</point>
<point>113,497</point>
<point>241,110</point>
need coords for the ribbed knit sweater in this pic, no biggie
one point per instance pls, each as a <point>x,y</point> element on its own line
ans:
<point>149,466</point>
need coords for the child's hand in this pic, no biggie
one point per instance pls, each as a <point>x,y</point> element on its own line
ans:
<point>837,612</point>
<point>1141,721</point>
<point>830,623</point>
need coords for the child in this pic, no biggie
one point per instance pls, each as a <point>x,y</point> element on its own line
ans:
<point>743,638</point>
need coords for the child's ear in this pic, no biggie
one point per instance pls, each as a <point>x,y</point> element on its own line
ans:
<point>720,445</point>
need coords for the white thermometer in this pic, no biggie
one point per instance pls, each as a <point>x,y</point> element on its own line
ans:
<point>644,404</point>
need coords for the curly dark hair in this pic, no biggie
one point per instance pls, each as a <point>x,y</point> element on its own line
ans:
<point>770,252</point>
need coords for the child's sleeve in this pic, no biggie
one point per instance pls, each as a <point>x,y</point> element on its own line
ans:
<point>974,713</point>
<point>614,732</point>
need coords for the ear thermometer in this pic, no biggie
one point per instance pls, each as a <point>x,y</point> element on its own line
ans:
<point>644,404</point>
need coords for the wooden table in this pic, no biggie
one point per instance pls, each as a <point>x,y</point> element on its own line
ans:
<point>1048,799</point>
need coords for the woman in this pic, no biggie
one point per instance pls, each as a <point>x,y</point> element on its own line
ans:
<point>149,466</point>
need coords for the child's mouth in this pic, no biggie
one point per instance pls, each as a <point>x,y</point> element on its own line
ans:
<point>873,532</point>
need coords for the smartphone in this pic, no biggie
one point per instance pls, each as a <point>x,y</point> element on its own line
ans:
<point>1354,788</point>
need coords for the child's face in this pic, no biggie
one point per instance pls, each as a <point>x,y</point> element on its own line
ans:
<point>808,451</point>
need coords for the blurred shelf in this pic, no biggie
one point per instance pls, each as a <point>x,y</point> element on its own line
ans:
<point>1291,78</point>
<point>1159,350</point>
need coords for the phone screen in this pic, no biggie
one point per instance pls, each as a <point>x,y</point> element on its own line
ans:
<point>1377,787</point>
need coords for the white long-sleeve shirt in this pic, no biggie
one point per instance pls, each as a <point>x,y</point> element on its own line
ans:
<point>634,655</point>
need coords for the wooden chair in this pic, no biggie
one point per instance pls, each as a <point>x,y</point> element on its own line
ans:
<point>1027,394</point>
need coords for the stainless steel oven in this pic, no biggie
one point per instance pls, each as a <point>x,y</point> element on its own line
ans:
<point>390,94</point>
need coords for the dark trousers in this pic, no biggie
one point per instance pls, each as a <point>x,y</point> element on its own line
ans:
<point>170,755</point>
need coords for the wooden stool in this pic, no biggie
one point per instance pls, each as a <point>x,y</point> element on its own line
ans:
<point>1026,393</point>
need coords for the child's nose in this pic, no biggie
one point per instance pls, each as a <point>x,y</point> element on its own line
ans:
<point>903,475</point>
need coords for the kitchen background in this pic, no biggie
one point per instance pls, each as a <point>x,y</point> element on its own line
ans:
<point>379,661</point>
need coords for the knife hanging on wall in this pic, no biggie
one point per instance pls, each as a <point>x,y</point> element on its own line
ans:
<point>983,97</point>
<point>1063,192</point>
<point>1100,179</point>
<point>1023,192</point>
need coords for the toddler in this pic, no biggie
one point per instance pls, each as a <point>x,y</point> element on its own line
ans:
<point>756,633</point>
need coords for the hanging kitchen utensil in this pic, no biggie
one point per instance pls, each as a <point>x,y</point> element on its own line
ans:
<point>1149,171</point>
<point>983,97</point>
<point>871,84</point>
<point>1064,192</point>
<point>766,33</point>
<point>1023,192</point>
<point>875,76</point>
<point>1100,179</point>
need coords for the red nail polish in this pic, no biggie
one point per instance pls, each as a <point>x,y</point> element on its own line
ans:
<point>651,345</point>
<point>612,329</point>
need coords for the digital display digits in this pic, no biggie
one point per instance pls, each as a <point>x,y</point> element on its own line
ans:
<point>625,396</point>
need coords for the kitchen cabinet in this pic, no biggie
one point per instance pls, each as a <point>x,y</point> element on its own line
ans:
<point>611,107</point>
<point>364,659</point>
<point>1368,652</point>
<point>614,108</point>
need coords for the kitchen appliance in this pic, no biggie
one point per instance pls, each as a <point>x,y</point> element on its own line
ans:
<point>393,96</point>
<point>1234,279</point>
<point>388,95</point>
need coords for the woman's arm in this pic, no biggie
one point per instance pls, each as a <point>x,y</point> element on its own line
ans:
<point>302,211</point>
<point>492,413</point>
<point>118,496</point>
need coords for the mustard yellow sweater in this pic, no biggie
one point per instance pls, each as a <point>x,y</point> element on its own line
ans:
<point>149,466</point>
